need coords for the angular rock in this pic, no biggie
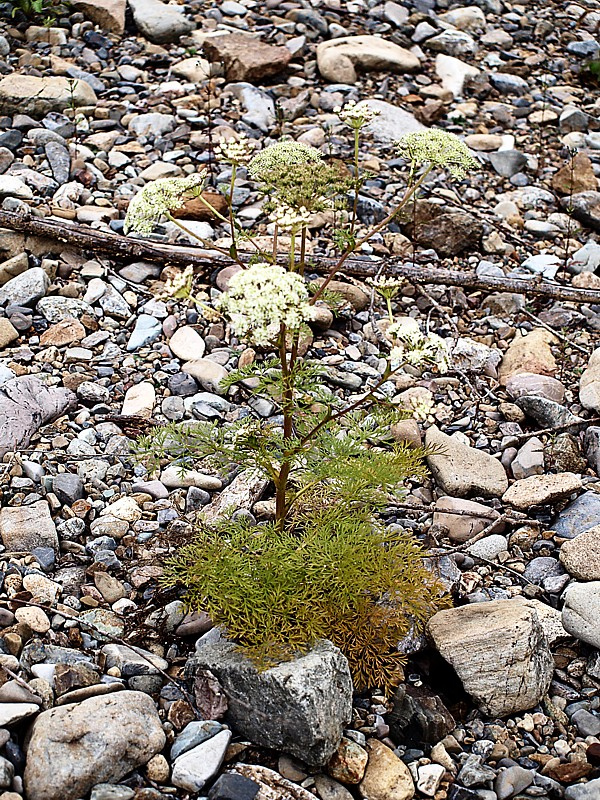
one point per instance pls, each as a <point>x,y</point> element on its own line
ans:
<point>26,94</point>
<point>387,777</point>
<point>160,22</point>
<point>243,491</point>
<point>246,58</point>
<point>272,785</point>
<point>454,73</point>
<point>391,121</point>
<point>108,14</point>
<point>576,176</point>
<point>581,612</point>
<point>194,768</point>
<point>529,459</point>
<point>580,515</point>
<point>13,267</point>
<point>25,405</point>
<point>531,354</point>
<point>499,651</point>
<point>304,704</point>
<point>139,400</point>
<point>446,230</point>
<point>545,412</point>
<point>541,489</point>
<point>460,470</point>
<point>25,288</point>
<point>339,60</point>
<point>418,716</point>
<point>76,746</point>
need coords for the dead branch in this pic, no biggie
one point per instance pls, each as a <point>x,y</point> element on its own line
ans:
<point>123,248</point>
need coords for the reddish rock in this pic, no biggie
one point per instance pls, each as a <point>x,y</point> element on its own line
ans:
<point>245,58</point>
<point>576,176</point>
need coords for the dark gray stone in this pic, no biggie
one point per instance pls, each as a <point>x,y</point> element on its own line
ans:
<point>233,787</point>
<point>67,487</point>
<point>419,716</point>
<point>546,412</point>
<point>508,162</point>
<point>541,568</point>
<point>300,706</point>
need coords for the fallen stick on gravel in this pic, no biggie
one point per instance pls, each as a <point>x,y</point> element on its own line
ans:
<point>122,247</point>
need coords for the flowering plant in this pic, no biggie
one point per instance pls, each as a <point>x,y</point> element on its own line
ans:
<point>330,461</point>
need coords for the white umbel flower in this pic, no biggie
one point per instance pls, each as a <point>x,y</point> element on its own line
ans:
<point>290,219</point>
<point>235,151</point>
<point>158,198</point>
<point>262,298</point>
<point>412,346</point>
<point>356,116</point>
<point>281,156</point>
<point>439,149</point>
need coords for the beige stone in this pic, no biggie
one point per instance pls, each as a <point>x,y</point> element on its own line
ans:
<point>187,344</point>
<point>530,353</point>
<point>65,332</point>
<point>498,650</point>
<point>139,400</point>
<point>108,14</point>
<point>541,489</point>
<point>245,58</point>
<point>8,332</point>
<point>589,383</point>
<point>581,555</point>
<point>340,59</point>
<point>26,94</point>
<point>387,777</point>
<point>13,267</point>
<point>460,470</point>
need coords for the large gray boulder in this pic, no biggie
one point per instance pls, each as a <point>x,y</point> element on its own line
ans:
<point>499,651</point>
<point>300,706</point>
<point>76,746</point>
<point>25,405</point>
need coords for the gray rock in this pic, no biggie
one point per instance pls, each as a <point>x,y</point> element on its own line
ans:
<point>581,555</point>
<point>160,22</point>
<point>581,612</point>
<point>99,740</point>
<point>7,772</point>
<point>546,412</point>
<point>26,94</point>
<point>585,207</point>
<point>489,547</point>
<point>588,724</point>
<point>133,662</point>
<point>147,330</point>
<point>391,123</point>
<point>25,288</point>
<point>583,791</point>
<point>580,515</point>
<point>457,44</point>
<point>418,716</point>
<point>529,459</point>
<point>24,527</point>
<point>498,650</point>
<point>511,781</point>
<point>67,487</point>
<point>25,405</point>
<point>304,704</point>
<point>153,124</point>
<point>110,791</point>
<point>56,308</point>
<point>59,160</point>
<point>507,162</point>
<point>506,83</point>
<point>460,470</point>
<point>195,767</point>
<point>541,568</point>
<point>194,734</point>
<point>259,108</point>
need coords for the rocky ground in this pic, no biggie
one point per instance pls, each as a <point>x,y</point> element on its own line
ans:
<point>501,698</point>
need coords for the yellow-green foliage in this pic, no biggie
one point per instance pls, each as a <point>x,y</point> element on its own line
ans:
<point>330,574</point>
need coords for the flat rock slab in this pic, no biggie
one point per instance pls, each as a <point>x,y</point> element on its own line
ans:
<point>108,14</point>
<point>26,94</point>
<point>340,59</point>
<point>541,489</point>
<point>300,706</point>
<point>23,528</point>
<point>160,22</point>
<point>530,354</point>
<point>499,651</point>
<point>74,747</point>
<point>461,470</point>
<point>25,405</point>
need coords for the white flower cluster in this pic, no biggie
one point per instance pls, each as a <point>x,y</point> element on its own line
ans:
<point>262,298</point>
<point>356,117</point>
<point>289,218</point>
<point>439,149</point>
<point>280,156</point>
<point>158,198</point>
<point>412,346</point>
<point>421,407</point>
<point>386,287</point>
<point>235,151</point>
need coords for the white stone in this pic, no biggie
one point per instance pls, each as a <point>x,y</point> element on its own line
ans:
<point>193,769</point>
<point>139,400</point>
<point>339,59</point>
<point>453,73</point>
<point>187,344</point>
<point>14,712</point>
<point>174,478</point>
<point>391,123</point>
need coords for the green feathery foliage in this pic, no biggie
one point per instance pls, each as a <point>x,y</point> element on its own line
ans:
<point>333,573</point>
